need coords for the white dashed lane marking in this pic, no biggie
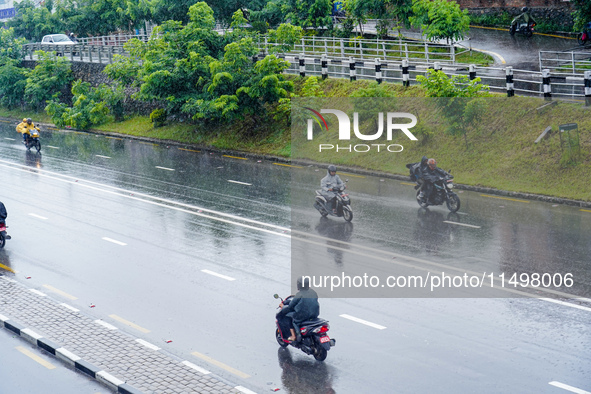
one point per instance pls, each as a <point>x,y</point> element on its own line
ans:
<point>367,323</point>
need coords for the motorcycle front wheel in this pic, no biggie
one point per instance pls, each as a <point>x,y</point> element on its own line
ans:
<point>280,340</point>
<point>320,353</point>
<point>38,147</point>
<point>421,201</point>
<point>453,203</point>
<point>347,214</point>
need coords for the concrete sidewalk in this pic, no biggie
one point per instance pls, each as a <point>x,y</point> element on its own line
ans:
<point>123,363</point>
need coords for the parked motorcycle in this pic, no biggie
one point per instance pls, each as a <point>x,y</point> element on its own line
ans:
<point>527,29</point>
<point>314,338</point>
<point>442,192</point>
<point>32,141</point>
<point>3,235</point>
<point>342,205</point>
<point>584,37</point>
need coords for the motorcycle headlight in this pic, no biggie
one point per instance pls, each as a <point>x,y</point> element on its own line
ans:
<point>450,185</point>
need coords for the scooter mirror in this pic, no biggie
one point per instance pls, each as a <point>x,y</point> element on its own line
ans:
<point>276,296</point>
<point>346,180</point>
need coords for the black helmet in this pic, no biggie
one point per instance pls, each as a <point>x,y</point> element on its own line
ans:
<point>332,168</point>
<point>29,120</point>
<point>524,9</point>
<point>424,160</point>
<point>303,283</point>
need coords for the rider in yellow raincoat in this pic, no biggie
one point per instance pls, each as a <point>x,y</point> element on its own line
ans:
<point>26,128</point>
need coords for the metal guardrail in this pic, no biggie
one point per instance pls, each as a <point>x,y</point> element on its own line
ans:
<point>571,63</point>
<point>79,52</point>
<point>367,49</point>
<point>509,80</point>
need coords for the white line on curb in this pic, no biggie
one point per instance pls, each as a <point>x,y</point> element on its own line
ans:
<point>196,367</point>
<point>218,275</point>
<point>147,344</point>
<point>244,390</point>
<point>38,293</point>
<point>70,307</point>
<point>105,324</point>
<point>367,323</point>
<point>114,241</point>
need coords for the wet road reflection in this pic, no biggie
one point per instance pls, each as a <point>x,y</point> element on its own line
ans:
<point>304,375</point>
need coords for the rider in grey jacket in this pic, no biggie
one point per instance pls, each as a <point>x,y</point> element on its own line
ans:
<point>330,182</point>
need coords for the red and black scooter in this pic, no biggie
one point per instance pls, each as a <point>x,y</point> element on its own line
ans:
<point>314,336</point>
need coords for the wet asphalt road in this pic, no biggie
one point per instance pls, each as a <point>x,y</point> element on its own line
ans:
<point>191,246</point>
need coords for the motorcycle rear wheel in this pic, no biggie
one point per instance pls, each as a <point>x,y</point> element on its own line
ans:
<point>320,353</point>
<point>2,241</point>
<point>528,33</point>
<point>280,340</point>
<point>347,214</point>
<point>580,39</point>
<point>453,203</point>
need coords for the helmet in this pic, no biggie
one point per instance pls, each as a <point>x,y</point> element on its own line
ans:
<point>524,9</point>
<point>29,120</point>
<point>424,160</point>
<point>24,120</point>
<point>332,168</point>
<point>432,164</point>
<point>303,283</point>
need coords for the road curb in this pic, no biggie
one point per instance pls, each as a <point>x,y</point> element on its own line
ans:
<point>67,357</point>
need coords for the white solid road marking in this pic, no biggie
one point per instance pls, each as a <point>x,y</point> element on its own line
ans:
<point>569,388</point>
<point>104,157</point>
<point>38,293</point>
<point>70,307</point>
<point>196,368</point>
<point>584,308</point>
<point>147,344</point>
<point>240,183</point>
<point>52,147</point>
<point>10,139</point>
<point>218,275</point>
<point>114,241</point>
<point>165,168</point>
<point>105,324</point>
<point>461,224</point>
<point>37,216</point>
<point>367,323</point>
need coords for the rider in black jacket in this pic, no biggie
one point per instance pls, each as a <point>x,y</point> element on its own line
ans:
<point>303,306</point>
<point>431,174</point>
<point>3,215</point>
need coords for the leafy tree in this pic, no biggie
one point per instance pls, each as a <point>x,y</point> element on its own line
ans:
<point>51,75</point>
<point>165,10</point>
<point>10,46</point>
<point>33,22</point>
<point>440,19</point>
<point>459,99</point>
<point>286,36</point>
<point>89,107</point>
<point>304,13</point>
<point>13,80</point>
<point>582,13</point>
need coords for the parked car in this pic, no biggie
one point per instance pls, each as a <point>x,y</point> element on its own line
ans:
<point>58,40</point>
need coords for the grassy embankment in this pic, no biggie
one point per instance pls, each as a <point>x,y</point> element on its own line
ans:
<point>501,152</point>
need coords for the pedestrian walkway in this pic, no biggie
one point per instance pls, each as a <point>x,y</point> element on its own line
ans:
<point>120,361</point>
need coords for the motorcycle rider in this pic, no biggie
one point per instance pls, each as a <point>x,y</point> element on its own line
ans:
<point>430,176</point>
<point>26,130</point>
<point>328,185</point>
<point>3,215</point>
<point>303,306</point>
<point>527,18</point>
<point>21,127</point>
